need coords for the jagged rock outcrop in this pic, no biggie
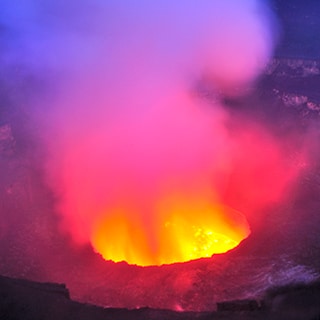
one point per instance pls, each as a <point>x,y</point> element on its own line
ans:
<point>284,67</point>
<point>295,83</point>
<point>24,299</point>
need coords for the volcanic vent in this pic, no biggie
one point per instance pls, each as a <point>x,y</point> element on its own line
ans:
<point>146,162</point>
<point>140,161</point>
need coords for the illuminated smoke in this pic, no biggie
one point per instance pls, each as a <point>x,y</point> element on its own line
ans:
<point>140,162</point>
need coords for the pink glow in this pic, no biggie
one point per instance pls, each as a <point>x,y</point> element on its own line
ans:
<point>128,133</point>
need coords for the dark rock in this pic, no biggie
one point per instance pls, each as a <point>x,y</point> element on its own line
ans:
<point>46,287</point>
<point>24,299</point>
<point>238,305</point>
<point>284,67</point>
<point>296,301</point>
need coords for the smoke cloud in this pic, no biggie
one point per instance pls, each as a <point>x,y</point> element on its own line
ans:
<point>124,125</point>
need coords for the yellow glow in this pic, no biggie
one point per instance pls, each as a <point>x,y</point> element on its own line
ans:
<point>181,229</point>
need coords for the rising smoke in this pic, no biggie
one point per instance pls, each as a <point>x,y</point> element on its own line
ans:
<point>124,125</point>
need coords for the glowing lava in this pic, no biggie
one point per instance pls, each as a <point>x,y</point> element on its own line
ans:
<point>184,229</point>
<point>151,190</point>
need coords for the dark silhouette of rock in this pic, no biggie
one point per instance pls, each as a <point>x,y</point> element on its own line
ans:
<point>238,305</point>
<point>294,302</point>
<point>24,299</point>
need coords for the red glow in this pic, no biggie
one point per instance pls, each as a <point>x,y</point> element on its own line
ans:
<point>261,170</point>
<point>152,190</point>
<point>143,166</point>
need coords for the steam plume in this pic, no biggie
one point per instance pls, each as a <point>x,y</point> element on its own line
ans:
<point>126,128</point>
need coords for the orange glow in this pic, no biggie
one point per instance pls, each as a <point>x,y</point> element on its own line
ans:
<point>182,229</point>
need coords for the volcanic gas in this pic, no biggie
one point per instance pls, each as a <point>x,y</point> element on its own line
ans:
<point>159,196</point>
<point>156,193</point>
<point>141,165</point>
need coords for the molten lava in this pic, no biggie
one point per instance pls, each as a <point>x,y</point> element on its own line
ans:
<point>183,229</point>
<point>152,190</point>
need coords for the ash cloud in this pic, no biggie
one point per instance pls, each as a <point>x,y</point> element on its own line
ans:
<point>122,121</point>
